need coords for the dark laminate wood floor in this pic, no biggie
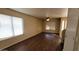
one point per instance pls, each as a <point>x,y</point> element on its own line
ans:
<point>40,42</point>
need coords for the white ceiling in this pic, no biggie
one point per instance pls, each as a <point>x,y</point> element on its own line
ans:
<point>44,12</point>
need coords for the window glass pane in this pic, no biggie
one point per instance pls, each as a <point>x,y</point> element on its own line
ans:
<point>47,27</point>
<point>18,25</point>
<point>62,25</point>
<point>50,26</point>
<point>5,26</point>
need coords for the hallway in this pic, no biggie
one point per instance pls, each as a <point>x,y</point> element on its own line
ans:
<point>40,42</point>
<point>24,26</point>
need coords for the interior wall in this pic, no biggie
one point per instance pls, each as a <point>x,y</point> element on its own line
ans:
<point>76,46</point>
<point>32,26</point>
<point>54,24</point>
<point>77,41</point>
<point>72,23</point>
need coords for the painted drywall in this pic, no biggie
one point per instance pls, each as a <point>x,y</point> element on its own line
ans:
<point>32,26</point>
<point>72,22</point>
<point>54,23</point>
<point>76,44</point>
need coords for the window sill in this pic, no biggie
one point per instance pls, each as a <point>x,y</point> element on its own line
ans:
<point>1,39</point>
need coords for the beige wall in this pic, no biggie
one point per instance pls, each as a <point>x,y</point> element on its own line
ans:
<point>54,23</point>
<point>32,26</point>
<point>76,44</point>
<point>72,23</point>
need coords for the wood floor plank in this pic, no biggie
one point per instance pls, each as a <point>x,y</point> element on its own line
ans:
<point>40,42</point>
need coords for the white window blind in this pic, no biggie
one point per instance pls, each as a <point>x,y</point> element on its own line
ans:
<point>10,26</point>
<point>17,25</point>
<point>5,26</point>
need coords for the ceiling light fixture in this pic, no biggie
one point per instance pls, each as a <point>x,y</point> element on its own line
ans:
<point>48,19</point>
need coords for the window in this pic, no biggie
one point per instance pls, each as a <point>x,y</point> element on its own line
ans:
<point>50,26</point>
<point>63,25</point>
<point>5,26</point>
<point>47,27</point>
<point>18,26</point>
<point>10,26</point>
